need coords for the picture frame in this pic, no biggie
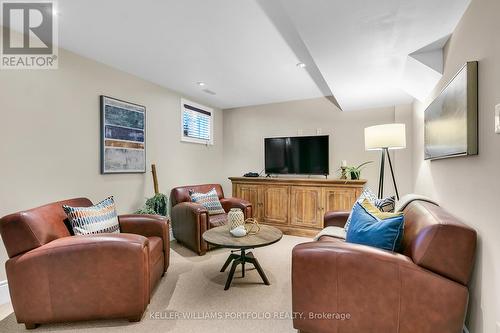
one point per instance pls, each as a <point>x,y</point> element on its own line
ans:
<point>451,120</point>
<point>123,136</point>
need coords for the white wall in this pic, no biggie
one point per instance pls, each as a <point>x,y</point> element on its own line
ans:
<point>245,130</point>
<point>404,157</point>
<point>468,186</point>
<point>50,138</point>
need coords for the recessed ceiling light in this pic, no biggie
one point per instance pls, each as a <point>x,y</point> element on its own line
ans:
<point>201,84</point>
<point>301,65</point>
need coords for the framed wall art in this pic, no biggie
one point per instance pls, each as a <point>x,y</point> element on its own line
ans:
<point>123,136</point>
<point>451,119</point>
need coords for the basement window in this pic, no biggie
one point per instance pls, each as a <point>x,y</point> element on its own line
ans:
<point>196,123</point>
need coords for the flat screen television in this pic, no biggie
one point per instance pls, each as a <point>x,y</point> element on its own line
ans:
<point>450,121</point>
<point>304,155</point>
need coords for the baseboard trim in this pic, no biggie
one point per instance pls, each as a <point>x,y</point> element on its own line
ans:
<point>4,292</point>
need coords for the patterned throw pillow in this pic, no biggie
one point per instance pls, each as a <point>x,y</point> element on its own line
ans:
<point>97,219</point>
<point>209,200</point>
<point>384,205</point>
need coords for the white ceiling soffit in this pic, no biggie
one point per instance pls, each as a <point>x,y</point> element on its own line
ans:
<point>432,54</point>
<point>277,14</point>
<point>361,47</point>
<point>423,69</point>
<point>418,79</point>
<point>246,51</point>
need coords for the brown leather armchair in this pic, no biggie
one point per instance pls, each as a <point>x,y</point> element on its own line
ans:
<point>421,289</point>
<point>56,277</point>
<point>190,220</point>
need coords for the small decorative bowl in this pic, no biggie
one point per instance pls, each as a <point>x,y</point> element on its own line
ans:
<point>238,231</point>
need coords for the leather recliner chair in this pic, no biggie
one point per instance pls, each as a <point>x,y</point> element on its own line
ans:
<point>421,289</point>
<point>56,277</point>
<point>190,220</point>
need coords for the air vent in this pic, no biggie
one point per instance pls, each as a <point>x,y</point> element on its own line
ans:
<point>210,92</point>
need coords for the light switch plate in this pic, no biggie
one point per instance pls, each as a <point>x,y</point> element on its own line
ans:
<point>497,120</point>
<point>498,327</point>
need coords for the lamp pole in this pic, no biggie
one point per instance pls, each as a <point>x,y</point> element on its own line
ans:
<point>385,151</point>
<point>392,174</point>
<point>381,179</point>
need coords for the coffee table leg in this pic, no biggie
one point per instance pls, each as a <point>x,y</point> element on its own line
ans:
<point>255,262</point>
<point>231,274</point>
<point>243,260</point>
<point>231,257</point>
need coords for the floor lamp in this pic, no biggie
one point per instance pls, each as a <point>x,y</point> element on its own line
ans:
<point>385,137</point>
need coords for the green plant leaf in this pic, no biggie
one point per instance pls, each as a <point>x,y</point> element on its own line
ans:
<point>158,205</point>
<point>362,165</point>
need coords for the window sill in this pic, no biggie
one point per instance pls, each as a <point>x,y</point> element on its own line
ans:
<point>198,141</point>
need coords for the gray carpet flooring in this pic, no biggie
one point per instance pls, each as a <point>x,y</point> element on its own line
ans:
<point>194,287</point>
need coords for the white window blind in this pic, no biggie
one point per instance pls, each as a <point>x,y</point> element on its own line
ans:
<point>196,123</point>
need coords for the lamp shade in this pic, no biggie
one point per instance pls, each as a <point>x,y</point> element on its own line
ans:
<point>392,136</point>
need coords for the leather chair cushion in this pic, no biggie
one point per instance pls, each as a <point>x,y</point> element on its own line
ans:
<point>217,220</point>
<point>156,259</point>
<point>155,249</point>
<point>155,273</point>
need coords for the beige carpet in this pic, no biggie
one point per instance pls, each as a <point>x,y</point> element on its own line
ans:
<point>194,286</point>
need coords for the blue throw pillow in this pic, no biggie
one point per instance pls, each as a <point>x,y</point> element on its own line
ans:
<point>368,229</point>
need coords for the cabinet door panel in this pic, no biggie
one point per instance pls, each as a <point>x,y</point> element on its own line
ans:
<point>339,199</point>
<point>306,206</point>
<point>250,193</point>
<point>275,204</point>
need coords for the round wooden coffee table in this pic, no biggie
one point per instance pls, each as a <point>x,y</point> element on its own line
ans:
<point>220,236</point>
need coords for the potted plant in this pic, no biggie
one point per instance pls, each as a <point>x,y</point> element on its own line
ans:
<point>156,205</point>
<point>354,172</point>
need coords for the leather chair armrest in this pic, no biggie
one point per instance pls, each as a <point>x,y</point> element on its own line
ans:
<point>335,219</point>
<point>148,226</point>
<point>189,207</point>
<point>245,206</point>
<point>189,222</point>
<point>81,277</point>
<point>351,280</point>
